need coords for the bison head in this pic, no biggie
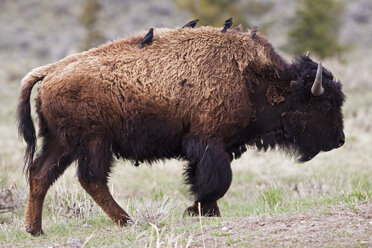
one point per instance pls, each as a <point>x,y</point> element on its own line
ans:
<point>314,122</point>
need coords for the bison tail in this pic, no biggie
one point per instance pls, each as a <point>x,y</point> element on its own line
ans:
<point>26,128</point>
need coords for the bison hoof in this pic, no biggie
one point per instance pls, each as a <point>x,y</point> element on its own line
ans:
<point>207,210</point>
<point>34,231</point>
<point>125,222</point>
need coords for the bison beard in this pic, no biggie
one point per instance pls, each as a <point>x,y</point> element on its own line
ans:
<point>172,100</point>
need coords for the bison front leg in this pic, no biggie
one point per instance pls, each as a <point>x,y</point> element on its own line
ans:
<point>208,174</point>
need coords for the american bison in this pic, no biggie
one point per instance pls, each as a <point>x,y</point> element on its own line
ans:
<point>194,94</point>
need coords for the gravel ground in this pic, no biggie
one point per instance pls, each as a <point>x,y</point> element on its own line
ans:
<point>331,227</point>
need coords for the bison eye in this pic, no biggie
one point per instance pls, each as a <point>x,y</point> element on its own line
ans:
<point>326,105</point>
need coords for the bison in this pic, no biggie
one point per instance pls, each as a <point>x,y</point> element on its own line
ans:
<point>193,94</point>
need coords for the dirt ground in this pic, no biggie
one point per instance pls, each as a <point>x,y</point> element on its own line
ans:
<point>335,227</point>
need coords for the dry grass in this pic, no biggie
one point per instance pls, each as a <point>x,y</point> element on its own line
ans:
<point>10,199</point>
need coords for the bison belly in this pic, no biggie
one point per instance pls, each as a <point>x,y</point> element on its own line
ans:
<point>150,140</point>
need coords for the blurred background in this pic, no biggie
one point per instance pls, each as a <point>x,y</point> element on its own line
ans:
<point>36,32</point>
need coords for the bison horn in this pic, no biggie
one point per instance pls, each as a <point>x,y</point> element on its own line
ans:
<point>317,88</point>
<point>308,54</point>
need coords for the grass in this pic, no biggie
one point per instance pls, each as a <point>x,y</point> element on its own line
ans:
<point>263,184</point>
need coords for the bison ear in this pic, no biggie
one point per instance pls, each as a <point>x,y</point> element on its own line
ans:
<point>296,85</point>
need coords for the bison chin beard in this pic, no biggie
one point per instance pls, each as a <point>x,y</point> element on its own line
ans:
<point>298,141</point>
<point>301,152</point>
<point>304,156</point>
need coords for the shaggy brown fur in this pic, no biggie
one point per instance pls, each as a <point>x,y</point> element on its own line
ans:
<point>195,94</point>
<point>193,70</point>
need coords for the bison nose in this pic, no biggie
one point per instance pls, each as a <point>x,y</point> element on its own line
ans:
<point>342,140</point>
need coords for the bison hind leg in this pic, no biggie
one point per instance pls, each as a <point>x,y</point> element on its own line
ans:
<point>51,162</point>
<point>208,173</point>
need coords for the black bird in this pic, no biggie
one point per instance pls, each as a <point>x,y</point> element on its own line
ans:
<point>253,33</point>
<point>147,38</point>
<point>227,25</point>
<point>191,24</point>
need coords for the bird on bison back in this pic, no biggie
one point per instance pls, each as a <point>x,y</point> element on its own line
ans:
<point>171,100</point>
<point>253,33</point>
<point>147,39</point>
<point>227,25</point>
<point>191,24</point>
